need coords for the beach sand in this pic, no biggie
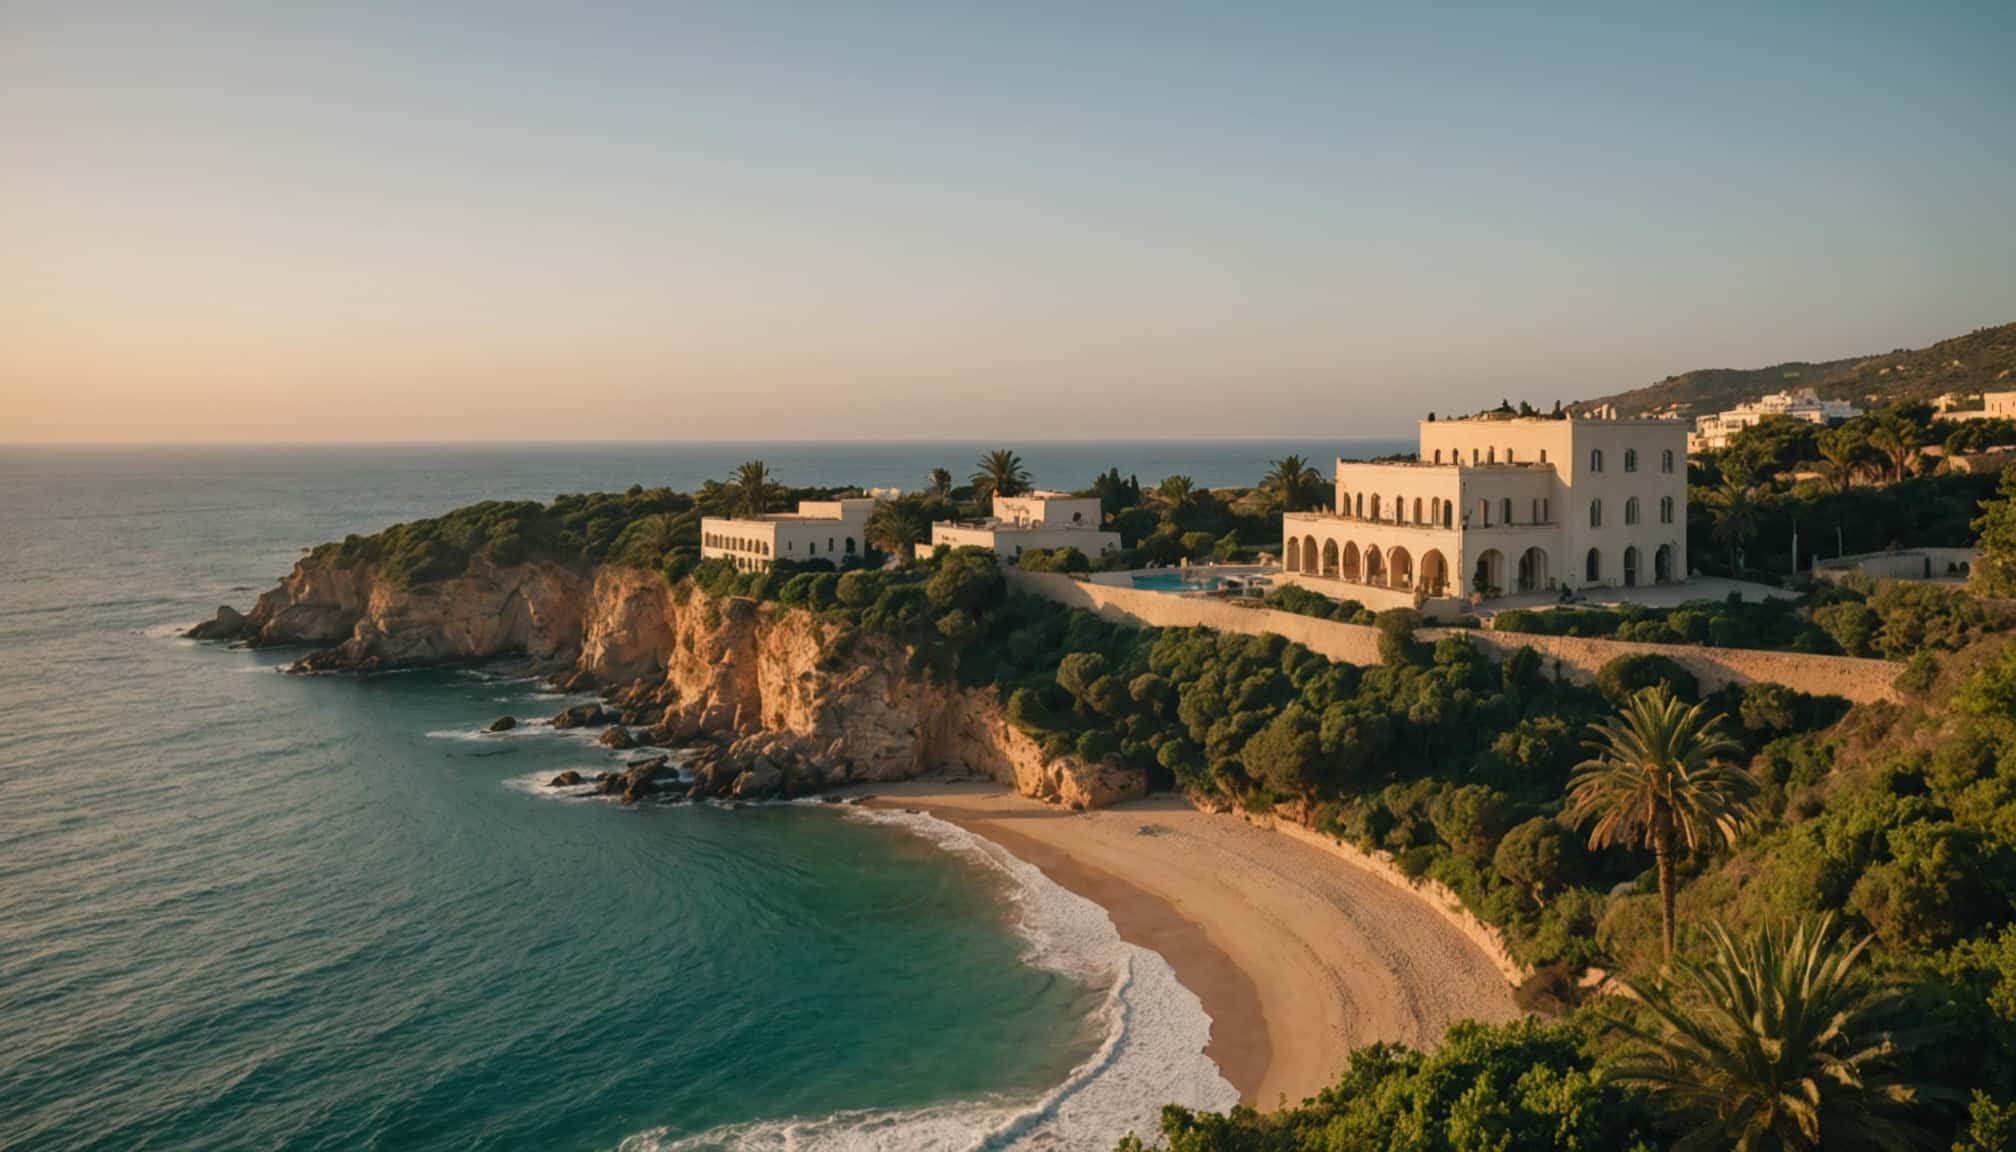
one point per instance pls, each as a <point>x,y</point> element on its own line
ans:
<point>1298,955</point>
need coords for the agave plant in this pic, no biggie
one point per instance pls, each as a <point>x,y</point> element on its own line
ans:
<point>1000,473</point>
<point>1779,1040</point>
<point>1656,781</point>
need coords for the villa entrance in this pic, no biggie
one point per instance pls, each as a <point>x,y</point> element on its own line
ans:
<point>1533,570</point>
<point>1662,565</point>
<point>1631,567</point>
<point>1435,573</point>
<point>1489,578</point>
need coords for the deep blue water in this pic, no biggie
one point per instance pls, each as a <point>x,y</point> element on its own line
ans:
<point>246,910</point>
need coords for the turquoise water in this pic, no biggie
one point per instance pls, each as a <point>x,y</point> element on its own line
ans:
<point>1177,582</point>
<point>246,910</point>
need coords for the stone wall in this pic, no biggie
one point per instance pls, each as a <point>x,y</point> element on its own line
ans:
<point>1576,657</point>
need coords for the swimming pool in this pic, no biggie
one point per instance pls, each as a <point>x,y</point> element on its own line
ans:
<point>1177,582</point>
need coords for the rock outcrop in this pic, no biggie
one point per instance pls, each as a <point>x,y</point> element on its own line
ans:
<point>777,700</point>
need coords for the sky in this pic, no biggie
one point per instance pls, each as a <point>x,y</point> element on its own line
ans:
<point>575,221</point>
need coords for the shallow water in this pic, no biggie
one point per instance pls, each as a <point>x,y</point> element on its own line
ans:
<point>246,910</point>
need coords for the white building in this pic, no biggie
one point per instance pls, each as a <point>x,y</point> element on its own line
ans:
<point>1037,520</point>
<point>1713,433</point>
<point>1496,507</point>
<point>1994,406</point>
<point>834,530</point>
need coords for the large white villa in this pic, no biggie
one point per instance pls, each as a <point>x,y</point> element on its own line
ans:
<point>1712,433</point>
<point>1500,506</point>
<point>833,530</point>
<point>1040,519</point>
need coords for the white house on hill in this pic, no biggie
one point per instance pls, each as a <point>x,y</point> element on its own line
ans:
<point>1039,519</point>
<point>833,530</point>
<point>1501,506</point>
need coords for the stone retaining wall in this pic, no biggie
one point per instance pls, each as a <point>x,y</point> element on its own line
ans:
<point>1576,657</point>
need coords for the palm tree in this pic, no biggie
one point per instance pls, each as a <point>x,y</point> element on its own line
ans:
<point>1778,1041</point>
<point>1732,509</point>
<point>1177,491</point>
<point>1656,781</point>
<point>1291,480</point>
<point>999,473</point>
<point>940,483</point>
<point>754,488</point>
<point>1897,439</point>
<point>1842,454</point>
<point>898,526</point>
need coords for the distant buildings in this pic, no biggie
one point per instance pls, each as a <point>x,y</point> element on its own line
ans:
<point>1038,520</point>
<point>1994,406</point>
<point>1496,507</point>
<point>820,529</point>
<point>1713,433</point>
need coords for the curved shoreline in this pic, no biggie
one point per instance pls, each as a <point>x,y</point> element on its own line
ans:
<point>1296,959</point>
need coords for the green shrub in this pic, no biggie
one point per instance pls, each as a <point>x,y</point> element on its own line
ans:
<point>1624,676</point>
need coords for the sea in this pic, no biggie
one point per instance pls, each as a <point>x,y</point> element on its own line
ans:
<point>246,910</point>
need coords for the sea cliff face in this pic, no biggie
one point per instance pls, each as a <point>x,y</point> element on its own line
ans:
<point>778,700</point>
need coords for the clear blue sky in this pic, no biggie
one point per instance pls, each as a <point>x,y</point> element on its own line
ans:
<point>349,221</point>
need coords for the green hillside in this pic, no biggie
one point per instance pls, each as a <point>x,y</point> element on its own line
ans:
<point>1984,359</point>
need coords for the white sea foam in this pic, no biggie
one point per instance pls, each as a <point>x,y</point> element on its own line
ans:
<point>1152,1053</point>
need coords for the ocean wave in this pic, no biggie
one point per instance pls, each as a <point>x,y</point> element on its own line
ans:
<point>1152,1052</point>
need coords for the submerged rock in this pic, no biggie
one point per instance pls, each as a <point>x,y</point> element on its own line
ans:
<point>567,779</point>
<point>503,724</point>
<point>617,737</point>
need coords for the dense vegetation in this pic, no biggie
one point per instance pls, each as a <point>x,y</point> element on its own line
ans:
<point>1982,359</point>
<point>1890,619</point>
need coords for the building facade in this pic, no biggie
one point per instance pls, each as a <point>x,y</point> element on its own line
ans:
<point>1500,507</point>
<point>1994,406</point>
<point>1713,433</point>
<point>1036,520</point>
<point>834,530</point>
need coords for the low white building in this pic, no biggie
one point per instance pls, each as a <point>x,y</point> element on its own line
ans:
<point>1500,506</point>
<point>1036,520</point>
<point>1713,433</point>
<point>1994,406</point>
<point>834,530</point>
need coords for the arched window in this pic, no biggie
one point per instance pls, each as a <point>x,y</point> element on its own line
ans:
<point>1592,568</point>
<point>1375,506</point>
<point>1631,510</point>
<point>1399,509</point>
<point>1491,455</point>
<point>1417,509</point>
<point>1484,513</point>
<point>1546,510</point>
<point>1476,456</point>
<point>1630,459</point>
<point>1595,513</point>
<point>1666,460</point>
<point>1543,455</point>
<point>1505,510</point>
<point>1343,503</point>
<point>850,545</point>
<point>1361,506</point>
<point>1595,460</point>
<point>1665,509</point>
<point>1438,455</point>
<point>1508,454</point>
<point>1448,513</point>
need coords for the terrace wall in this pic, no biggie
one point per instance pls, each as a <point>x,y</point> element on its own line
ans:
<point>1576,657</point>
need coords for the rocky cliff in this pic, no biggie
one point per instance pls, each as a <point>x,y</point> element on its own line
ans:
<point>777,699</point>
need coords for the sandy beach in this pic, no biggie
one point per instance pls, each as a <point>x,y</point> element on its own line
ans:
<point>1297,955</point>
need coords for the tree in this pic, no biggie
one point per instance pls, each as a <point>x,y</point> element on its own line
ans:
<point>1178,492</point>
<point>999,473</point>
<point>1115,492</point>
<point>1293,482</point>
<point>1732,511</point>
<point>1994,573</point>
<point>938,483</point>
<point>754,489</point>
<point>898,526</point>
<point>1843,454</point>
<point>1778,1041</point>
<point>1539,856</point>
<point>1896,440</point>
<point>1656,781</point>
